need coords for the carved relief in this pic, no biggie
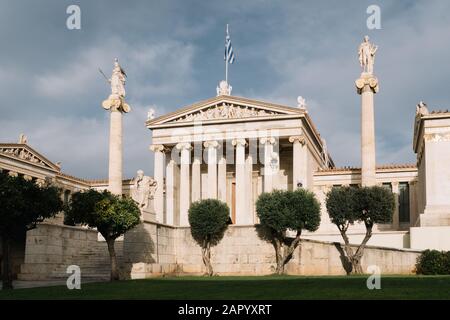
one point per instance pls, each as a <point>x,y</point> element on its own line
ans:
<point>23,154</point>
<point>225,111</point>
<point>437,137</point>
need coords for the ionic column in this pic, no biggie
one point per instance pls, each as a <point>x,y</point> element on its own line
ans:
<point>212,168</point>
<point>249,189</point>
<point>268,171</point>
<point>299,161</point>
<point>158,199</point>
<point>367,86</point>
<point>396,215</point>
<point>185,192</point>
<point>222,179</point>
<point>196,179</point>
<point>115,152</point>
<point>170,190</point>
<point>241,207</point>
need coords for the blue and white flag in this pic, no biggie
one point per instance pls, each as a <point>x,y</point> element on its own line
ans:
<point>229,54</point>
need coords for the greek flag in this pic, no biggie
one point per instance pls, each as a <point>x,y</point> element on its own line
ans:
<point>229,54</point>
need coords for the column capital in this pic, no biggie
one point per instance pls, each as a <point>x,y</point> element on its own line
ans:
<point>239,142</point>
<point>157,148</point>
<point>268,140</point>
<point>395,186</point>
<point>369,80</point>
<point>211,144</point>
<point>298,139</point>
<point>184,146</point>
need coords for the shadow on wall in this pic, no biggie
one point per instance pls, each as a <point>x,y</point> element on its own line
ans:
<point>139,250</point>
<point>346,264</point>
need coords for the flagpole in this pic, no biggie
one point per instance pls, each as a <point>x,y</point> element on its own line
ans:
<point>226,58</point>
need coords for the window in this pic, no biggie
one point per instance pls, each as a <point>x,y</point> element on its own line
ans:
<point>403,200</point>
<point>387,185</point>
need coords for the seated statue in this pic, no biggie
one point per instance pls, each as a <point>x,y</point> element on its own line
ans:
<point>142,190</point>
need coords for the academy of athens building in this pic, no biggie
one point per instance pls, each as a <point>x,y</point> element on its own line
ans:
<point>233,149</point>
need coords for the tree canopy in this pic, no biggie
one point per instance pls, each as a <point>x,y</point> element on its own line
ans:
<point>282,211</point>
<point>208,220</point>
<point>367,205</point>
<point>112,215</point>
<point>23,204</point>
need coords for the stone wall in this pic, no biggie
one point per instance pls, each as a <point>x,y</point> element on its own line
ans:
<point>149,250</point>
<point>51,248</point>
<point>242,252</point>
<point>153,249</point>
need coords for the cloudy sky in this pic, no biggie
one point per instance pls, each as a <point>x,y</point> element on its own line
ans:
<point>51,90</point>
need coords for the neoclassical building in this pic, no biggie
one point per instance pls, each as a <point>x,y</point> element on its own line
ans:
<point>233,149</point>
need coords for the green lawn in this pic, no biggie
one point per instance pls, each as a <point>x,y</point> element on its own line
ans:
<point>269,287</point>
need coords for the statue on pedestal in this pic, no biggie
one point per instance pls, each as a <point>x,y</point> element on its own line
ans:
<point>366,54</point>
<point>142,190</point>
<point>117,81</point>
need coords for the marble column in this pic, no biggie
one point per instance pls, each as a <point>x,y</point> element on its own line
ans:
<point>249,188</point>
<point>158,174</point>
<point>269,172</point>
<point>212,146</point>
<point>241,208</point>
<point>115,152</point>
<point>185,193</point>
<point>222,178</point>
<point>367,86</point>
<point>396,215</point>
<point>171,167</point>
<point>299,161</point>
<point>196,178</point>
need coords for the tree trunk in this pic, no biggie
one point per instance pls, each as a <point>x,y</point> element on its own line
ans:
<point>206,257</point>
<point>279,256</point>
<point>113,258</point>
<point>355,258</point>
<point>6,268</point>
<point>284,253</point>
<point>360,251</point>
<point>348,250</point>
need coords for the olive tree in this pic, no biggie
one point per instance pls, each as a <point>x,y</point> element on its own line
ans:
<point>367,205</point>
<point>282,211</point>
<point>23,204</point>
<point>208,219</point>
<point>112,215</point>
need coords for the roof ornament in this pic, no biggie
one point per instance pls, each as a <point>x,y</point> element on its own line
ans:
<point>224,89</point>
<point>422,109</point>
<point>151,114</point>
<point>22,139</point>
<point>302,103</point>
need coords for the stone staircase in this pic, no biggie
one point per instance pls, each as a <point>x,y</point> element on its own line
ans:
<point>94,263</point>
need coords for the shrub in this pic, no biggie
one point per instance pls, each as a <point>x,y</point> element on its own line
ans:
<point>369,205</point>
<point>282,211</point>
<point>432,262</point>
<point>208,220</point>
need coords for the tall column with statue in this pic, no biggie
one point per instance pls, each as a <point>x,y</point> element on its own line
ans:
<point>367,86</point>
<point>116,105</point>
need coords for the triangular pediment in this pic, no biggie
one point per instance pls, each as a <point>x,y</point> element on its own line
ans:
<point>223,108</point>
<point>25,153</point>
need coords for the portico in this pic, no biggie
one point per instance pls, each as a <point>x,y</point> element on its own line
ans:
<point>232,149</point>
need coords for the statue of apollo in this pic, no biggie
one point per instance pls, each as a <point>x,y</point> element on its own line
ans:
<point>366,54</point>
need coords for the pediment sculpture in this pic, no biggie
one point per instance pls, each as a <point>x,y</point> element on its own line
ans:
<point>226,111</point>
<point>23,154</point>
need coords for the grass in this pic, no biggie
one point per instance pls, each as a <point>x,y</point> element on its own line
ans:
<point>267,287</point>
